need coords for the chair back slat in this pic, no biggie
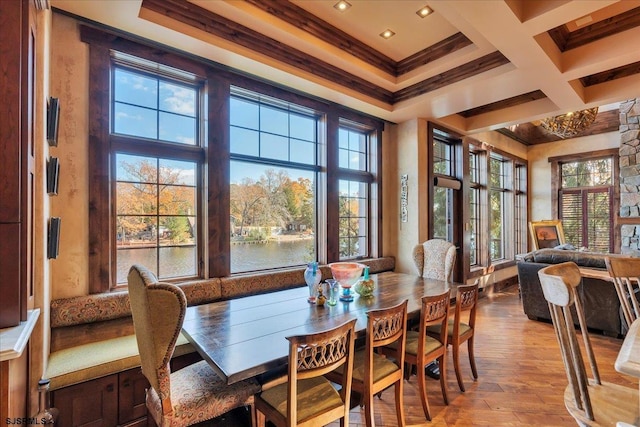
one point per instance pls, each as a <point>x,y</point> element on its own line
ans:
<point>559,283</point>
<point>625,273</point>
<point>387,325</point>
<point>314,355</point>
<point>466,303</point>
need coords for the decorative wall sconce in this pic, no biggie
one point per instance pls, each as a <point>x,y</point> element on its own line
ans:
<point>53,172</point>
<point>53,238</point>
<point>53,118</point>
<point>404,192</point>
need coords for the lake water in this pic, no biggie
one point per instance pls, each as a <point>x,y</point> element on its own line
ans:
<point>244,257</point>
<point>250,257</point>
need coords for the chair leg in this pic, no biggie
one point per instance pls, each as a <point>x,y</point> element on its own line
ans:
<point>422,389</point>
<point>472,358</point>
<point>254,415</point>
<point>399,406</point>
<point>260,419</point>
<point>456,365</point>
<point>368,409</point>
<point>408,368</point>
<point>443,378</point>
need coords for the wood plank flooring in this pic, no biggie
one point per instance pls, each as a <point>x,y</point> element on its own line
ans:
<point>521,376</point>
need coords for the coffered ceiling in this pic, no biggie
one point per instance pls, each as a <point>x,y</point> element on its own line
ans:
<point>473,65</point>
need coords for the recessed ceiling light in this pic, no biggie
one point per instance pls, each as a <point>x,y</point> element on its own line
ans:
<point>424,11</point>
<point>387,34</point>
<point>342,5</point>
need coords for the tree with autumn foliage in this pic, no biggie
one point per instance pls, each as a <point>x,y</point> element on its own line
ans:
<point>154,194</point>
<point>274,200</point>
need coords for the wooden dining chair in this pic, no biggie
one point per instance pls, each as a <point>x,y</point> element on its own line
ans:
<point>421,348</point>
<point>372,371</point>
<point>307,398</point>
<point>625,273</point>
<point>194,393</point>
<point>461,328</point>
<point>590,401</point>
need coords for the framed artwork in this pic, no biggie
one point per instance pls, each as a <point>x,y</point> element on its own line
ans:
<point>546,234</point>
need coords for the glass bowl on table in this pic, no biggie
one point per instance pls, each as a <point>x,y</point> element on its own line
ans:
<point>346,274</point>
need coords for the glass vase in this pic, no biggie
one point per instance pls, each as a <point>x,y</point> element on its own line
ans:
<point>312,277</point>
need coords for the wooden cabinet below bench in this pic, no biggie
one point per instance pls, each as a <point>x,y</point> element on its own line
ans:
<point>114,400</point>
<point>92,403</point>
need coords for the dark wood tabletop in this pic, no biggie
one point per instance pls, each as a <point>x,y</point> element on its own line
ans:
<point>246,337</point>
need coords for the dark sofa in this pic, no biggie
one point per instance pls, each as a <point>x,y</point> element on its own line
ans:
<point>598,296</point>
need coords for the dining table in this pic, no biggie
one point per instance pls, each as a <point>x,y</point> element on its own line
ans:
<point>245,337</point>
<point>628,360</point>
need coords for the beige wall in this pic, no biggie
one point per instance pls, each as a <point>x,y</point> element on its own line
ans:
<point>70,83</point>
<point>38,349</point>
<point>390,198</point>
<point>411,146</point>
<point>540,168</point>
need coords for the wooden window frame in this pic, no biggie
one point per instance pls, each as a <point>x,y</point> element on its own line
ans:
<point>556,186</point>
<point>215,225</point>
<point>485,264</point>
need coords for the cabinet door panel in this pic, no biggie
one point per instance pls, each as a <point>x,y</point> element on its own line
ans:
<point>132,395</point>
<point>90,404</point>
<point>11,286</point>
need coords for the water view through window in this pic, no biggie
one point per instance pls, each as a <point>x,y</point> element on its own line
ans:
<point>273,183</point>
<point>156,222</point>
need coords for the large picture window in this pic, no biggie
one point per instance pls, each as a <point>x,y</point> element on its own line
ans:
<point>154,119</point>
<point>198,172</point>
<point>498,193</point>
<point>475,207</point>
<point>585,203</point>
<point>498,208</point>
<point>274,152</point>
<point>356,155</point>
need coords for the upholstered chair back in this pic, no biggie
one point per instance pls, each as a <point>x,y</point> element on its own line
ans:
<point>434,259</point>
<point>158,311</point>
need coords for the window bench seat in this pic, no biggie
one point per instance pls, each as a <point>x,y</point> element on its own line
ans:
<point>86,362</point>
<point>92,336</point>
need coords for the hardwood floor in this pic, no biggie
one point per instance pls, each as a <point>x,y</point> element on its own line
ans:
<point>521,376</point>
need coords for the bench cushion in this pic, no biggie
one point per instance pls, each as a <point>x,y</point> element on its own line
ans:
<point>90,361</point>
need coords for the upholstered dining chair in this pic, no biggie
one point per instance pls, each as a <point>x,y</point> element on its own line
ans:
<point>372,371</point>
<point>194,393</point>
<point>307,398</point>
<point>625,273</point>
<point>434,259</point>
<point>421,348</point>
<point>590,401</point>
<point>461,328</point>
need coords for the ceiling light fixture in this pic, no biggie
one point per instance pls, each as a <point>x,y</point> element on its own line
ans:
<point>570,124</point>
<point>387,34</point>
<point>424,12</point>
<point>342,5</point>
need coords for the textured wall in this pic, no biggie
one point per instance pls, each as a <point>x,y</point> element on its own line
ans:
<point>69,83</point>
<point>630,174</point>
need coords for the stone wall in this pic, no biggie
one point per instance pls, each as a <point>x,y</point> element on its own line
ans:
<point>630,174</point>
